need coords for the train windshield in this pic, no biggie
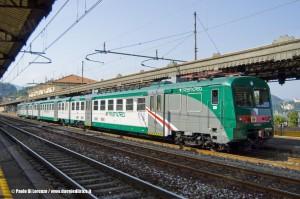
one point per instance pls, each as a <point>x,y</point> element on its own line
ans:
<point>247,97</point>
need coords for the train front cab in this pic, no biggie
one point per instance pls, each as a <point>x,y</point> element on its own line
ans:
<point>253,110</point>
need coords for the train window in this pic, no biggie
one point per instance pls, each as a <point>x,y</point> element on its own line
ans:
<point>73,106</point>
<point>261,98</point>
<point>141,106</point>
<point>158,103</point>
<point>96,105</point>
<point>215,97</point>
<point>102,105</point>
<point>129,104</point>
<point>110,105</point>
<point>119,104</point>
<point>194,103</point>
<point>151,103</point>
<point>59,106</point>
<point>82,106</point>
<point>243,97</point>
<point>63,106</point>
<point>77,106</point>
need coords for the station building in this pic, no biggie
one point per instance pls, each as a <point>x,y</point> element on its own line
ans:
<point>66,82</point>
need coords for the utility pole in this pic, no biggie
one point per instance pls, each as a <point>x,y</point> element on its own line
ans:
<point>82,72</point>
<point>195,34</point>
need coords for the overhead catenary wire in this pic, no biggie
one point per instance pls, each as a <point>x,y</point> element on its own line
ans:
<point>235,20</point>
<point>155,47</point>
<point>206,29</point>
<point>37,36</point>
<point>73,24</point>
<point>240,18</point>
<point>178,44</point>
<point>153,40</point>
<point>208,35</point>
<point>61,35</point>
<point>168,52</point>
<point>51,20</point>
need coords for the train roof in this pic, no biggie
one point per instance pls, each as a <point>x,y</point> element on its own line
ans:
<point>226,81</point>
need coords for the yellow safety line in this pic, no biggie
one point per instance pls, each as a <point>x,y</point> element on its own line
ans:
<point>4,189</point>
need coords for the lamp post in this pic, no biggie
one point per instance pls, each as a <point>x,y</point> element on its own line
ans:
<point>82,64</point>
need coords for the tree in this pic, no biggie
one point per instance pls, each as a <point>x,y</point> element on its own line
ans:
<point>278,120</point>
<point>293,119</point>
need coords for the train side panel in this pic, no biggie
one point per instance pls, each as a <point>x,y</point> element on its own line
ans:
<point>123,112</point>
<point>47,111</point>
<point>77,110</point>
<point>63,110</point>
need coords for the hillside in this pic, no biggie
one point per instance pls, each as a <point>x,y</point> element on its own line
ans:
<point>7,89</point>
<point>276,103</point>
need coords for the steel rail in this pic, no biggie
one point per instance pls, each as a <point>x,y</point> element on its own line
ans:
<point>188,168</point>
<point>231,180</point>
<point>134,180</point>
<point>276,52</point>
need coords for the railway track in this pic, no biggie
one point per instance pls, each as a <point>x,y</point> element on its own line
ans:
<point>281,159</point>
<point>255,180</point>
<point>93,178</point>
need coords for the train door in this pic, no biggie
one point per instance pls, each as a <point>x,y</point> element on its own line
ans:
<point>156,115</point>
<point>215,104</point>
<point>173,110</point>
<point>26,110</point>
<point>69,110</point>
<point>38,110</point>
<point>55,109</point>
<point>88,112</point>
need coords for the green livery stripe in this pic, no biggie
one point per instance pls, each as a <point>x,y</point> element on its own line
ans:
<point>47,118</point>
<point>136,129</point>
<point>121,95</point>
<point>76,100</point>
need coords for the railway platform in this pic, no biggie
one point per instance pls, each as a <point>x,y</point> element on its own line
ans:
<point>284,143</point>
<point>16,173</point>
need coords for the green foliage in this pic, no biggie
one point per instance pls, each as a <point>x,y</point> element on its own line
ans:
<point>278,119</point>
<point>293,119</point>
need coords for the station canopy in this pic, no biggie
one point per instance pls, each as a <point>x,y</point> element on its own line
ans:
<point>18,19</point>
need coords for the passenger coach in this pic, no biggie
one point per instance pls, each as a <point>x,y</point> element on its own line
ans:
<point>210,113</point>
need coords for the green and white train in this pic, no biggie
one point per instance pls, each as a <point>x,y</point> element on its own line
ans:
<point>214,112</point>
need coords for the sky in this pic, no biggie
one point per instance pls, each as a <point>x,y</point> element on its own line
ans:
<point>162,25</point>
